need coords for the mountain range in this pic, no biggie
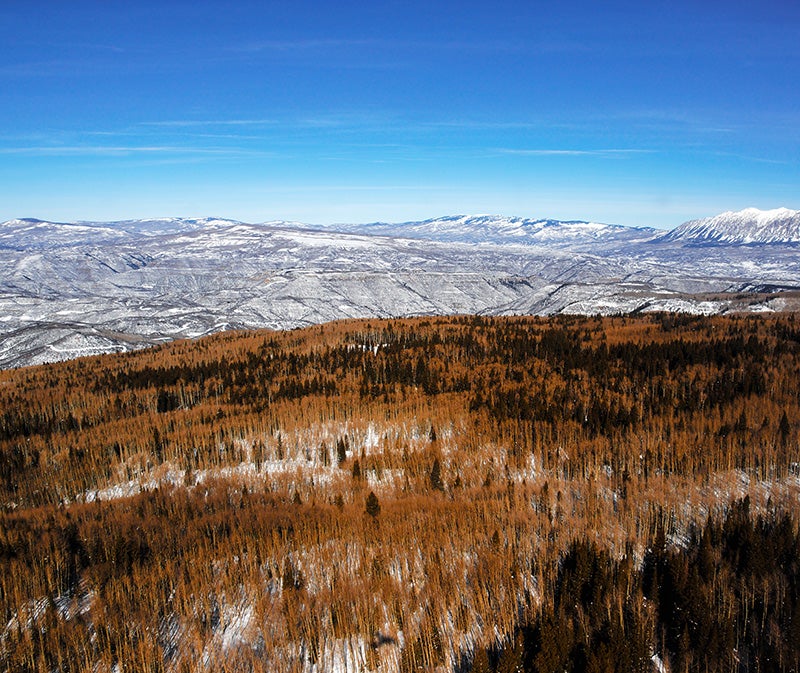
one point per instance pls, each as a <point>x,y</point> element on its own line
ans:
<point>79,288</point>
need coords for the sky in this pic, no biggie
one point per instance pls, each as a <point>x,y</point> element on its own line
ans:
<point>636,113</point>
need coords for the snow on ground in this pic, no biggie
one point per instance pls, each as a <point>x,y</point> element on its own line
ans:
<point>302,463</point>
<point>169,279</point>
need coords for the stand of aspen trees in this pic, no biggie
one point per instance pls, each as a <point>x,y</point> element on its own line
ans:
<point>447,494</point>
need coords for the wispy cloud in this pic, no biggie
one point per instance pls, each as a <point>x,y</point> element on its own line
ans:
<point>302,45</point>
<point>609,152</point>
<point>332,121</point>
<point>138,133</point>
<point>344,188</point>
<point>758,160</point>
<point>321,44</point>
<point>65,45</point>
<point>482,124</point>
<point>210,122</point>
<point>121,150</point>
<point>46,68</point>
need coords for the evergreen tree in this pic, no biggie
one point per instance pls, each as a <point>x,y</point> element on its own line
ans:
<point>784,429</point>
<point>341,450</point>
<point>372,505</point>
<point>436,476</point>
<point>480,664</point>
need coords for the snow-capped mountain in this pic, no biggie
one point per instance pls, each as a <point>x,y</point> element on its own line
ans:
<point>70,289</point>
<point>745,227</point>
<point>497,230</point>
<point>29,233</point>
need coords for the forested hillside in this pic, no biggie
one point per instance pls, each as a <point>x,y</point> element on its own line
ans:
<point>455,493</point>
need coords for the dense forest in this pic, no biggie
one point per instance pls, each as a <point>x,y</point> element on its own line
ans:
<point>454,494</point>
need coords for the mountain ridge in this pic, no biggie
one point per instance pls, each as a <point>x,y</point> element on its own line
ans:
<point>750,226</point>
<point>70,289</point>
<point>503,230</point>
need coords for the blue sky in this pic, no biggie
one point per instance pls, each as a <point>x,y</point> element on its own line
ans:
<point>638,113</point>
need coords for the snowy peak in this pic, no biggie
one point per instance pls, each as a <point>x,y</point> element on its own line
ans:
<point>745,227</point>
<point>499,230</point>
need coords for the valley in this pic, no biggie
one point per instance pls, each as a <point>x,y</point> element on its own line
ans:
<point>72,289</point>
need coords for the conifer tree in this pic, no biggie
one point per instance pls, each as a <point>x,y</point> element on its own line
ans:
<point>480,663</point>
<point>372,505</point>
<point>784,429</point>
<point>341,450</point>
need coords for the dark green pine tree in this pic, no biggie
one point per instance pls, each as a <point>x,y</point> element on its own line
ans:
<point>372,505</point>
<point>784,429</point>
<point>341,450</point>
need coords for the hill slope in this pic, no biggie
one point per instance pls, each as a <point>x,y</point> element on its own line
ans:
<point>402,495</point>
<point>70,289</point>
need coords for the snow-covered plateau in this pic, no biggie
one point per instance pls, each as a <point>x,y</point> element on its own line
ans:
<point>73,289</point>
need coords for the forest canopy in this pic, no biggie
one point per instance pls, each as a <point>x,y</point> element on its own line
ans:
<point>465,493</point>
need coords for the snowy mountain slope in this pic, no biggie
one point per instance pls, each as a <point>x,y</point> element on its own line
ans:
<point>745,227</point>
<point>26,233</point>
<point>497,230</point>
<point>74,289</point>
